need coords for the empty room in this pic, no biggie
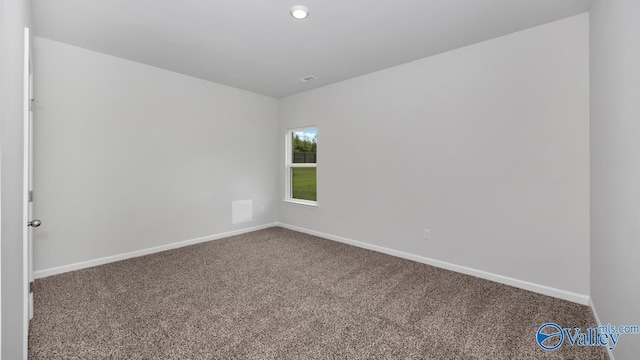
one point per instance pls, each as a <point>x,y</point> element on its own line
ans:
<point>320,179</point>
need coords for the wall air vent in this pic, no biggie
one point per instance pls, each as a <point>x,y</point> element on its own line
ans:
<point>307,78</point>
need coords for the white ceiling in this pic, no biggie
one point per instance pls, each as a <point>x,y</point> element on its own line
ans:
<point>256,45</point>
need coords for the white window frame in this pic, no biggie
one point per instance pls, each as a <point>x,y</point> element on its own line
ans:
<point>289,164</point>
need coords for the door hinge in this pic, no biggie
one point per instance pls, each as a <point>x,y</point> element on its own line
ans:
<point>32,103</point>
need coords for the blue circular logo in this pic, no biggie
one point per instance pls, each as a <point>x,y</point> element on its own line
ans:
<point>549,336</point>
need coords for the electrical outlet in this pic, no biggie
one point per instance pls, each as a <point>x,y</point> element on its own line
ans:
<point>427,234</point>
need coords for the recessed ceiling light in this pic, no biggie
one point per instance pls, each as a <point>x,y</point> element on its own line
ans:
<point>299,12</point>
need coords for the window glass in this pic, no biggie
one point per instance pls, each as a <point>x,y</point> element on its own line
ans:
<point>303,146</point>
<point>302,150</point>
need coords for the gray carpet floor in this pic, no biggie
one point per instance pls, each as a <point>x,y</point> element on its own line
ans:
<point>280,294</point>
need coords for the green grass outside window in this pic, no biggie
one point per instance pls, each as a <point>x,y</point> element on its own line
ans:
<point>303,183</point>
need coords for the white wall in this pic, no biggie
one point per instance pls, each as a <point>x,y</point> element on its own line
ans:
<point>486,145</point>
<point>130,157</point>
<point>13,18</point>
<point>615,167</point>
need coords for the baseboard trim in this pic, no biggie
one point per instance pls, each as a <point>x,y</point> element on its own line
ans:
<point>521,284</point>
<point>599,323</point>
<point>109,259</point>
<point>541,289</point>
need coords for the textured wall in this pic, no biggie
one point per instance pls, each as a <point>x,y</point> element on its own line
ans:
<point>615,167</point>
<point>486,145</point>
<point>130,157</point>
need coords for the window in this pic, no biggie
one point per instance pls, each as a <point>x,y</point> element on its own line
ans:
<point>301,165</point>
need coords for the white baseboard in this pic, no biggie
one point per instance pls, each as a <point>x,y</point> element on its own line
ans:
<point>526,285</point>
<point>595,315</point>
<point>108,259</point>
<point>541,289</point>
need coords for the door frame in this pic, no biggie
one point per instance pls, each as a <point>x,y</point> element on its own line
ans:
<point>26,207</point>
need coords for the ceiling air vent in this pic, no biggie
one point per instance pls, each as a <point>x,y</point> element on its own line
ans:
<point>307,78</point>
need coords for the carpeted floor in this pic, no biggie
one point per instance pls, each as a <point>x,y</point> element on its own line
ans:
<point>279,294</point>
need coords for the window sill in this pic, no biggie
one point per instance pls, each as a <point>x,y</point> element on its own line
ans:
<point>313,204</point>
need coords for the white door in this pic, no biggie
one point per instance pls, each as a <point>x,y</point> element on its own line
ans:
<point>29,222</point>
